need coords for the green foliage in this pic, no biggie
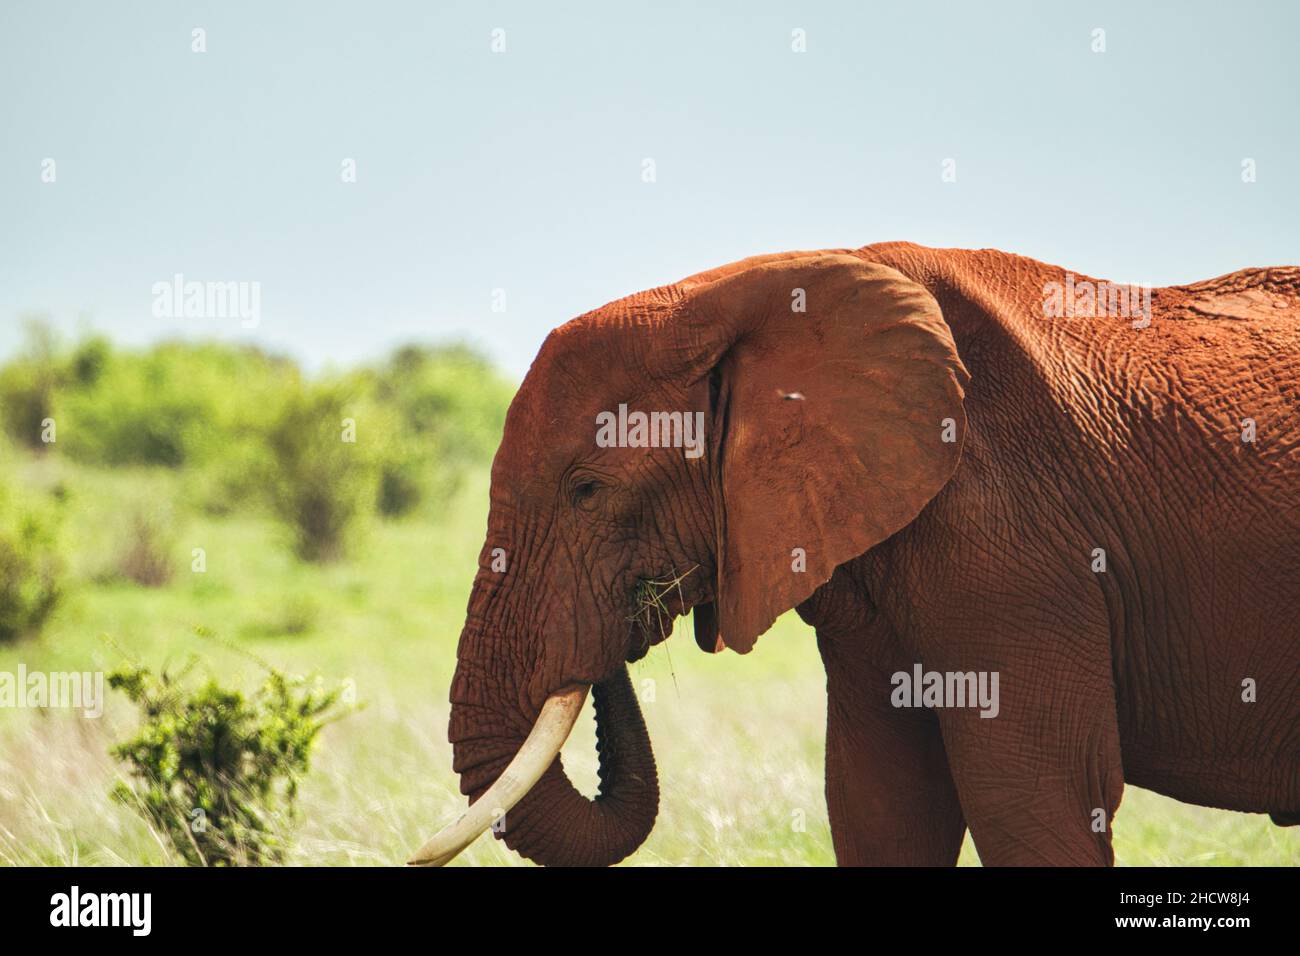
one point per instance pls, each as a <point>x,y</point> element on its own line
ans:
<point>450,409</point>
<point>401,487</point>
<point>247,433</point>
<point>31,567</point>
<point>88,362</point>
<point>27,387</point>
<point>449,393</point>
<point>323,470</point>
<point>176,404</point>
<point>215,771</point>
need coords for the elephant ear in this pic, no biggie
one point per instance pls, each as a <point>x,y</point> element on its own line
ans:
<point>837,415</point>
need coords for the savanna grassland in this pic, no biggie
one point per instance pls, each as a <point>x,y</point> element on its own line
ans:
<point>161,453</point>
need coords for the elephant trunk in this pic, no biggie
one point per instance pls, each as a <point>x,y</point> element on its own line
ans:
<point>552,823</point>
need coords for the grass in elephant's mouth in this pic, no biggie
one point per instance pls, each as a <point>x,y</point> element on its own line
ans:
<point>650,615</point>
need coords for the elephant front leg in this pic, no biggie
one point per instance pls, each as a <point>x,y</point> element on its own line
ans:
<point>891,799</point>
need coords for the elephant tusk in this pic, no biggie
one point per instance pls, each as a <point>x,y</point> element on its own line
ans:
<point>543,743</point>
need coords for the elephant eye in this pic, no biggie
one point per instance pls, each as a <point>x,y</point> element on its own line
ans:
<point>584,493</point>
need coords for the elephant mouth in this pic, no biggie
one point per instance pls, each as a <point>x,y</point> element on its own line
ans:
<point>655,602</point>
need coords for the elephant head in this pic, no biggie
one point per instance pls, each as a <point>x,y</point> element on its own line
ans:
<point>830,394</point>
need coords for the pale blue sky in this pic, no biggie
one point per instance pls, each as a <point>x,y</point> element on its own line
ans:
<point>522,170</point>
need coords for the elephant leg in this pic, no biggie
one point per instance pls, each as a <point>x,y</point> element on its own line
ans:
<point>891,799</point>
<point>1039,782</point>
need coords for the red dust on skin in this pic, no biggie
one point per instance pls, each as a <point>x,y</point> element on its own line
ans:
<point>946,458</point>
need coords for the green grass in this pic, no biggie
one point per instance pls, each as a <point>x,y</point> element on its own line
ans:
<point>738,741</point>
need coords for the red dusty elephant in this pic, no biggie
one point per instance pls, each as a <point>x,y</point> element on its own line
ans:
<point>1047,530</point>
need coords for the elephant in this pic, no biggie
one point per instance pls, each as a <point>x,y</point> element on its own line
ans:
<point>948,462</point>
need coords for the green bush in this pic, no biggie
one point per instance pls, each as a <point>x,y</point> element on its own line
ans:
<point>175,404</point>
<point>215,771</point>
<point>88,362</point>
<point>27,388</point>
<point>323,469</point>
<point>249,433</point>
<point>449,407</point>
<point>451,393</point>
<point>235,481</point>
<point>31,568</point>
<point>401,486</point>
